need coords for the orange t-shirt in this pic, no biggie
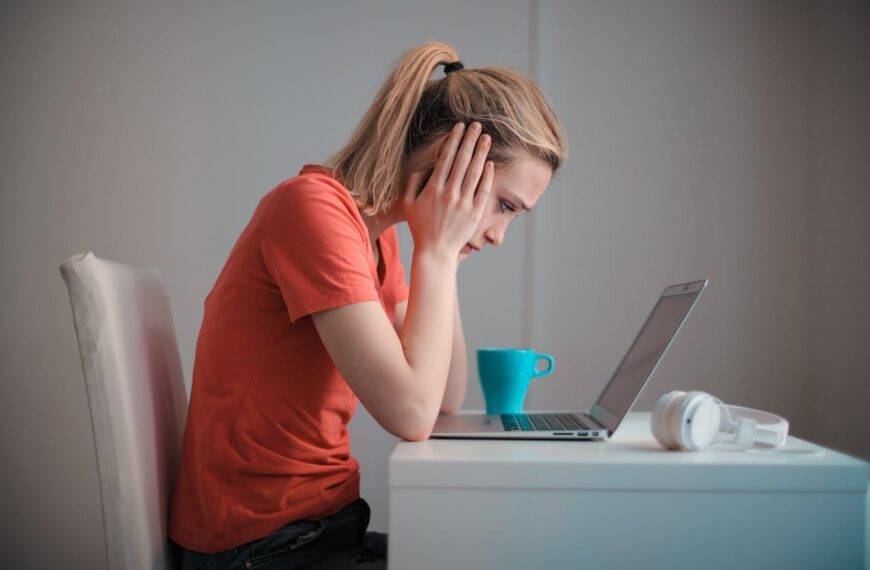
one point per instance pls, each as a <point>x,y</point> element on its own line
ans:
<point>266,440</point>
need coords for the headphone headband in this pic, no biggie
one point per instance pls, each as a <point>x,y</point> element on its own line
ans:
<point>692,420</point>
<point>770,429</point>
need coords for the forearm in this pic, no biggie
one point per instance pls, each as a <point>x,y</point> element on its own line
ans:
<point>457,379</point>
<point>427,332</point>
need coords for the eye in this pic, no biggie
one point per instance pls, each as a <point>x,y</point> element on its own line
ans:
<point>505,205</point>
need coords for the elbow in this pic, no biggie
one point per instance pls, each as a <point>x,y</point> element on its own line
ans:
<point>426,424</point>
<point>418,434</point>
<point>424,433</point>
<point>448,407</point>
<point>409,422</point>
<point>417,437</point>
<point>411,433</point>
<point>422,427</point>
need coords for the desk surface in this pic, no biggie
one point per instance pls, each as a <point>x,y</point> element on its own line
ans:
<point>631,460</point>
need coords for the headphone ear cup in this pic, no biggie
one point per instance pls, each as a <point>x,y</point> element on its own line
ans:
<point>656,418</point>
<point>694,416</point>
<point>705,423</point>
<point>674,419</point>
<point>660,422</point>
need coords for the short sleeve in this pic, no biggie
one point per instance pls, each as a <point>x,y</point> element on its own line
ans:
<point>314,248</point>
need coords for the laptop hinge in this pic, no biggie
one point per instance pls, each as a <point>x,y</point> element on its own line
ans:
<point>594,421</point>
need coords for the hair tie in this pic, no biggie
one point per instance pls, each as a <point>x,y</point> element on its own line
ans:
<point>451,67</point>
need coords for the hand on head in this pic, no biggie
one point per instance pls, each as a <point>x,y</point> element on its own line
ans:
<point>444,210</point>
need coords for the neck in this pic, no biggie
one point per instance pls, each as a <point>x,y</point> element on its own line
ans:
<point>376,225</point>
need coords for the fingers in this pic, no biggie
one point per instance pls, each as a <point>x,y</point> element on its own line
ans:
<point>459,166</point>
<point>484,187</point>
<point>475,169</point>
<point>463,158</point>
<point>445,158</point>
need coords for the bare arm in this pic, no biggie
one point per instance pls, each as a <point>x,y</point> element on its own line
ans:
<point>398,377</point>
<point>401,377</point>
<point>457,378</point>
<point>425,349</point>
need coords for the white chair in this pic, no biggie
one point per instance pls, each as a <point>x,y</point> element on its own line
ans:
<point>137,401</point>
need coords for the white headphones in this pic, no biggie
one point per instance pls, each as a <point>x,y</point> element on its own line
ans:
<point>692,420</point>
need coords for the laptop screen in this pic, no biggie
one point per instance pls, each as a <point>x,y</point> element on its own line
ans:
<point>648,348</point>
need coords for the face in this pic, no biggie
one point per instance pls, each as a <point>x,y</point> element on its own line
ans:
<point>515,185</point>
<point>520,183</point>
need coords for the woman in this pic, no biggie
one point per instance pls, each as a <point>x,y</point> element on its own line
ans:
<point>311,312</point>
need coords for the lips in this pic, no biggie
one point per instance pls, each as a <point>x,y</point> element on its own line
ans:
<point>467,248</point>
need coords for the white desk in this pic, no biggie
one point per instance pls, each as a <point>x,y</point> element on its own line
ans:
<point>626,503</point>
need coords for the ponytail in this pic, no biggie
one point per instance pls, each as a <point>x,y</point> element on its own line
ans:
<point>410,110</point>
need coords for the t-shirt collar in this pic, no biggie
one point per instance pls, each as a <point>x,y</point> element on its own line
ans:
<point>313,167</point>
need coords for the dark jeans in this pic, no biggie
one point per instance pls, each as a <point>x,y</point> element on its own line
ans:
<point>335,542</point>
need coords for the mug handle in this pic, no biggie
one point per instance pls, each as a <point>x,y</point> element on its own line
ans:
<point>548,370</point>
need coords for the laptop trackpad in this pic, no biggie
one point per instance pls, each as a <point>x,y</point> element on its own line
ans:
<point>468,423</point>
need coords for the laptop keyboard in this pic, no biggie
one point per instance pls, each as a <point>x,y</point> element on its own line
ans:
<point>544,422</point>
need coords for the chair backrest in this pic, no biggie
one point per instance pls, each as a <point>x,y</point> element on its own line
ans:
<point>137,400</point>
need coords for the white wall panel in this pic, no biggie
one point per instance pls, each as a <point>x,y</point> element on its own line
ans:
<point>687,124</point>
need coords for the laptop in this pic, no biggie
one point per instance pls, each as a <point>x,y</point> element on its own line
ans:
<point>614,401</point>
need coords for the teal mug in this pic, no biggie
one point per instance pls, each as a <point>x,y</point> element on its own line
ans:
<point>505,374</point>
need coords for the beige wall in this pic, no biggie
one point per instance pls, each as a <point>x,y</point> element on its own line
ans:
<point>688,128</point>
<point>721,140</point>
<point>839,156</point>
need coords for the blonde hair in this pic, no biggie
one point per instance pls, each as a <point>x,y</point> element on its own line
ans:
<point>410,111</point>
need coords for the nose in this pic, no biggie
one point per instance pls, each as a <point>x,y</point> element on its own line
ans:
<point>494,237</point>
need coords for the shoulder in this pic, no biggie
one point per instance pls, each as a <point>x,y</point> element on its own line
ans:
<point>312,189</point>
<point>311,199</point>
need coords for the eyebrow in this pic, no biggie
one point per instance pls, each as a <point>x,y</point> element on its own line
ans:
<point>514,197</point>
